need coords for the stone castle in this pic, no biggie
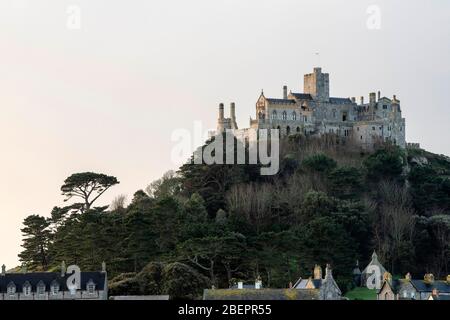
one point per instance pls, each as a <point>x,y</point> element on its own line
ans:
<point>314,112</point>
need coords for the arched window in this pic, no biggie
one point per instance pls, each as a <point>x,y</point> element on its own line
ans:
<point>40,288</point>
<point>288,130</point>
<point>334,113</point>
<point>26,289</point>
<point>11,289</point>
<point>298,129</point>
<point>274,115</point>
<point>90,286</point>
<point>284,115</point>
<point>294,116</point>
<point>54,287</point>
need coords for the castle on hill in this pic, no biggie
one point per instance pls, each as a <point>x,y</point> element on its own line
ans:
<point>314,112</point>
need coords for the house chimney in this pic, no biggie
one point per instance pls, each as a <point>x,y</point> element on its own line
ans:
<point>429,278</point>
<point>372,97</point>
<point>435,292</point>
<point>353,99</point>
<point>103,266</point>
<point>448,279</point>
<point>379,95</point>
<point>290,285</point>
<point>362,99</point>
<point>328,272</point>
<point>233,111</point>
<point>285,93</point>
<point>408,276</point>
<point>258,284</point>
<point>63,269</point>
<point>3,270</point>
<point>387,277</point>
<point>24,268</point>
<point>240,285</point>
<point>317,272</point>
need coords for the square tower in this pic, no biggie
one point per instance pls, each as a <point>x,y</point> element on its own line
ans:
<point>317,84</point>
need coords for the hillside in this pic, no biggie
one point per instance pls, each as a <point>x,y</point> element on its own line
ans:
<point>330,203</point>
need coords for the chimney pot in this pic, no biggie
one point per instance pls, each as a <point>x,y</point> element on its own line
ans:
<point>285,94</point>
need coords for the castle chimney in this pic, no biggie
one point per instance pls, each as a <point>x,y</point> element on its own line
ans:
<point>285,93</point>
<point>221,112</point>
<point>408,276</point>
<point>379,95</point>
<point>233,111</point>
<point>24,268</point>
<point>3,270</point>
<point>362,99</point>
<point>353,99</point>
<point>429,278</point>
<point>372,97</point>
<point>103,266</point>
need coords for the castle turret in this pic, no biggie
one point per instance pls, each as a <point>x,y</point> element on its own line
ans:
<point>317,84</point>
<point>372,98</point>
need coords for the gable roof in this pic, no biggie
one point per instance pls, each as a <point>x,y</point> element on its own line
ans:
<point>340,100</point>
<point>47,278</point>
<point>375,262</point>
<point>419,285</point>
<point>280,101</point>
<point>302,96</point>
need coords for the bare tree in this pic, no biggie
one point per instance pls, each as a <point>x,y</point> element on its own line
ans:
<point>118,203</point>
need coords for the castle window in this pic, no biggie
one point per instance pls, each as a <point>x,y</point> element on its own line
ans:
<point>373,128</point>
<point>298,129</point>
<point>357,128</point>
<point>284,115</point>
<point>294,116</point>
<point>288,130</point>
<point>274,115</point>
<point>401,128</point>
<point>361,138</point>
<point>334,113</point>
<point>305,118</point>
<point>385,107</point>
<point>344,116</point>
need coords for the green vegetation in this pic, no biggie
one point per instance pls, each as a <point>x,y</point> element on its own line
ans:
<point>216,224</point>
<point>361,293</point>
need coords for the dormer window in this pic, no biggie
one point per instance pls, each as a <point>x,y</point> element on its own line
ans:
<point>91,287</point>
<point>40,289</point>
<point>54,288</point>
<point>26,289</point>
<point>11,290</point>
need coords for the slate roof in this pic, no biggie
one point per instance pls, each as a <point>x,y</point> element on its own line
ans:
<point>442,297</point>
<point>280,101</point>
<point>301,283</point>
<point>340,100</point>
<point>19,279</point>
<point>261,294</point>
<point>302,96</point>
<point>421,285</point>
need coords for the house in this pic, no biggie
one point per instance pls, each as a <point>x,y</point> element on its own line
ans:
<point>411,289</point>
<point>327,286</point>
<point>54,285</point>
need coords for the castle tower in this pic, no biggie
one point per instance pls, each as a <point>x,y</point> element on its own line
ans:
<point>317,84</point>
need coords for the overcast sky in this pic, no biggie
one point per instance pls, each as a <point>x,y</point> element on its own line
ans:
<point>105,95</point>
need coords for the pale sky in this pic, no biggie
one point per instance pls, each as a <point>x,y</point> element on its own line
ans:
<point>107,97</point>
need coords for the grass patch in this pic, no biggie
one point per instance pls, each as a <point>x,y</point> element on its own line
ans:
<point>361,294</point>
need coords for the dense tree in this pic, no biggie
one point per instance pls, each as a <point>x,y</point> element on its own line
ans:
<point>37,237</point>
<point>88,186</point>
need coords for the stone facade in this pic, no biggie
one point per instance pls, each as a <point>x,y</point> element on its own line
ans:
<point>327,286</point>
<point>412,289</point>
<point>314,112</point>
